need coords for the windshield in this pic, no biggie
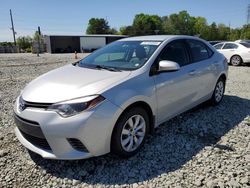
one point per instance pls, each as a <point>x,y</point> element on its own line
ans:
<point>121,55</point>
<point>247,45</point>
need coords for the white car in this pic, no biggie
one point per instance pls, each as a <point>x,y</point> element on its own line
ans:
<point>235,52</point>
<point>112,99</point>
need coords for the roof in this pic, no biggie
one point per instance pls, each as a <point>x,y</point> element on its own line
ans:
<point>101,35</point>
<point>157,37</point>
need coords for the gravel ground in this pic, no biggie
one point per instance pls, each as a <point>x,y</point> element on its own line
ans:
<point>205,147</point>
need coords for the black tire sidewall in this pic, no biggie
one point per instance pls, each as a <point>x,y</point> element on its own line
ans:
<point>116,146</point>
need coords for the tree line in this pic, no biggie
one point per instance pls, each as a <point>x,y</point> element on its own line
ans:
<point>24,42</point>
<point>181,23</point>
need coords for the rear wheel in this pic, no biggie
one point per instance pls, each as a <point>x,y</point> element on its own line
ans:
<point>236,60</point>
<point>218,92</point>
<point>130,132</point>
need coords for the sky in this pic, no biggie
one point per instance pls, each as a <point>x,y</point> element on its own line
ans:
<point>70,17</point>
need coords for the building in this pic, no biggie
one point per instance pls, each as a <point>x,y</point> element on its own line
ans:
<point>85,43</point>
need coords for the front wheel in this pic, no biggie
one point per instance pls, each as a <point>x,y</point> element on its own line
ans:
<point>218,92</point>
<point>130,132</point>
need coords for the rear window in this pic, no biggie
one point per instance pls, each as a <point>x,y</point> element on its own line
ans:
<point>199,50</point>
<point>247,45</point>
<point>230,46</point>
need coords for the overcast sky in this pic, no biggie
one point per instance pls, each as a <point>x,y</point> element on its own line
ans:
<point>71,17</point>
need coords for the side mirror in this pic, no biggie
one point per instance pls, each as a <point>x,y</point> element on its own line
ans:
<point>165,66</point>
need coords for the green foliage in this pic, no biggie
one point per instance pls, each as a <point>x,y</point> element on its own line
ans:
<point>245,32</point>
<point>223,32</point>
<point>235,34</point>
<point>98,26</point>
<point>145,24</point>
<point>36,36</point>
<point>6,43</point>
<point>24,42</point>
<point>183,24</point>
<point>113,31</point>
<point>127,30</point>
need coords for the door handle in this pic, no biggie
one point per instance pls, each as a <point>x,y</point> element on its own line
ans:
<point>192,72</point>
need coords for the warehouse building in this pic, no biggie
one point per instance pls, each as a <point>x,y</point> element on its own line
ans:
<point>85,43</point>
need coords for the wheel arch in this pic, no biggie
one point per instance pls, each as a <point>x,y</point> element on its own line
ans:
<point>223,76</point>
<point>144,105</point>
<point>235,55</point>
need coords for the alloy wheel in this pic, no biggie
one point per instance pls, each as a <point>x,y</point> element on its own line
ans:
<point>133,133</point>
<point>219,90</point>
<point>236,60</point>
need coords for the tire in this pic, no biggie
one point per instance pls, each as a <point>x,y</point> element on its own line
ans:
<point>130,132</point>
<point>218,92</point>
<point>236,60</point>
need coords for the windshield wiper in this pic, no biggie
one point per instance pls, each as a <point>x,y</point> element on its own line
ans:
<point>107,68</point>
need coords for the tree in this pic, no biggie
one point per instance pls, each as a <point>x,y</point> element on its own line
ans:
<point>245,32</point>
<point>213,32</point>
<point>98,26</point>
<point>24,42</point>
<point>113,31</point>
<point>6,43</point>
<point>145,24</point>
<point>127,30</point>
<point>179,24</point>
<point>183,24</point>
<point>200,26</point>
<point>37,36</point>
<point>235,34</point>
<point>168,26</point>
<point>223,32</point>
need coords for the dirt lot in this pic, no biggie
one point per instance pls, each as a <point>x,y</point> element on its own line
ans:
<point>205,147</point>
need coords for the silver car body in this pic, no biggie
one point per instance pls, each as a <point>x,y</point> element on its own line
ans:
<point>163,93</point>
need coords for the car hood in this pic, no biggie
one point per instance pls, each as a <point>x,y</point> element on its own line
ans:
<point>69,82</point>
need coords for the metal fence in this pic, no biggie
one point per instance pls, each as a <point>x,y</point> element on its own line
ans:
<point>9,49</point>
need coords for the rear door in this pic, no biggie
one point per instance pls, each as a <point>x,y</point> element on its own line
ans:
<point>204,64</point>
<point>228,50</point>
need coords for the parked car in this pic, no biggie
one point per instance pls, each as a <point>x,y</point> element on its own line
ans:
<point>244,40</point>
<point>215,42</point>
<point>236,53</point>
<point>112,99</point>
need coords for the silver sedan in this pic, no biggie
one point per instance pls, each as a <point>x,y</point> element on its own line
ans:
<point>112,99</point>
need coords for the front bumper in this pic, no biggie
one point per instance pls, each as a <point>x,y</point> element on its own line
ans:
<point>92,128</point>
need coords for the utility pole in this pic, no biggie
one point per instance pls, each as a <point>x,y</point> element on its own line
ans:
<point>12,28</point>
<point>248,14</point>
<point>38,40</point>
<point>248,19</point>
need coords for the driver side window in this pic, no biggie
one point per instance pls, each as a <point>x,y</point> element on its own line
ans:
<point>175,51</point>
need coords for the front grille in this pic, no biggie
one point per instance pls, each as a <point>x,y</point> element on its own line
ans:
<point>77,144</point>
<point>40,142</point>
<point>26,104</point>
<point>36,105</point>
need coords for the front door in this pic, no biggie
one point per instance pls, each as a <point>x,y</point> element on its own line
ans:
<point>175,90</point>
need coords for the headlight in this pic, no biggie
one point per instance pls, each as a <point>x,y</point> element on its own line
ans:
<point>75,106</point>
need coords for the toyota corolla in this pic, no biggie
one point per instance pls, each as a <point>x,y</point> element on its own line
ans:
<point>113,98</point>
